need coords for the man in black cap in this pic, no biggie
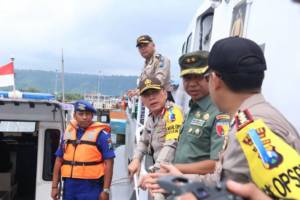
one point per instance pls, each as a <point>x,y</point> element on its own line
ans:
<point>84,158</point>
<point>262,147</point>
<point>155,64</point>
<point>260,137</point>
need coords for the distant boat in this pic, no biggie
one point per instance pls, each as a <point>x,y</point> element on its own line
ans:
<point>118,120</point>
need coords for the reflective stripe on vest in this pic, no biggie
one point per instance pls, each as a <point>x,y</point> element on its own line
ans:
<point>82,159</point>
<point>274,165</point>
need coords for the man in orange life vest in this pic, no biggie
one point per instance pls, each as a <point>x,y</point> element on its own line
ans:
<point>84,158</point>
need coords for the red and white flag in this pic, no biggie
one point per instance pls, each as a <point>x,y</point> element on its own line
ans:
<point>7,75</point>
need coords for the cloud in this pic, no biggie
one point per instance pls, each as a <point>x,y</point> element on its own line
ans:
<point>96,35</point>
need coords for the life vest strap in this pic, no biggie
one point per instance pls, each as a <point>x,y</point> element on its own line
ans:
<point>76,163</point>
<point>76,142</point>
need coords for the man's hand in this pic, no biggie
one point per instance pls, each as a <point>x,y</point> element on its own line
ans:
<point>149,182</point>
<point>187,196</point>
<point>131,93</point>
<point>248,190</point>
<point>104,196</point>
<point>171,170</point>
<point>134,167</point>
<point>55,194</point>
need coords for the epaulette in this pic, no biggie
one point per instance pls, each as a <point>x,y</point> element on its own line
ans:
<point>161,60</point>
<point>242,119</point>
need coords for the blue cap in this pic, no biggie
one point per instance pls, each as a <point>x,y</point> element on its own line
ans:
<point>82,105</point>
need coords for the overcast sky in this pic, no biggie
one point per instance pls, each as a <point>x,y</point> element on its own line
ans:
<point>95,34</point>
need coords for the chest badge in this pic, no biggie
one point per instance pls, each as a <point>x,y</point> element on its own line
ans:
<point>206,116</point>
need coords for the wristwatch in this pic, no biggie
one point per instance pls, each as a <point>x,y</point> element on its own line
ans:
<point>106,190</point>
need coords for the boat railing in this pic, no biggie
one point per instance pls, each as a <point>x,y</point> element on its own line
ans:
<point>139,113</point>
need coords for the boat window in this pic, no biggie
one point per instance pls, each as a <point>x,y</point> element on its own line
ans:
<point>17,126</point>
<point>51,143</point>
<point>205,29</point>
<point>189,43</point>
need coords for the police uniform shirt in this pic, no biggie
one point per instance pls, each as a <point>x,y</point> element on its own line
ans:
<point>198,138</point>
<point>235,165</point>
<point>158,66</point>
<point>160,137</point>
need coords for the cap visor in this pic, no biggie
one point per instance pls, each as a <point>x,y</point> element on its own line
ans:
<point>201,70</point>
<point>142,42</point>
<point>150,87</point>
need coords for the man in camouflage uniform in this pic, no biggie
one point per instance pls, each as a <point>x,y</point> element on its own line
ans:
<point>160,135</point>
<point>155,64</point>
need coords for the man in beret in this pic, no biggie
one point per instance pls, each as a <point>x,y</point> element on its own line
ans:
<point>84,158</point>
<point>155,64</point>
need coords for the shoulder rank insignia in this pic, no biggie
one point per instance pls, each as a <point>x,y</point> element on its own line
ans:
<point>161,60</point>
<point>242,119</point>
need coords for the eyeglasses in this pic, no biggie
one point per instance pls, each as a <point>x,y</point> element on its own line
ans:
<point>208,74</point>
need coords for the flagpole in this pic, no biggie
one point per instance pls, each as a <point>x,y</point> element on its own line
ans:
<point>14,85</point>
<point>62,76</point>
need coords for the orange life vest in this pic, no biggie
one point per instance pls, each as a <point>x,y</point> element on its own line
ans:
<point>82,159</point>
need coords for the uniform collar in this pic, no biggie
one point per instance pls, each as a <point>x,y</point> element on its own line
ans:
<point>203,102</point>
<point>168,104</point>
<point>251,101</point>
<point>150,61</point>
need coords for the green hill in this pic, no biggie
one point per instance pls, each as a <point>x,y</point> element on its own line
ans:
<point>45,81</point>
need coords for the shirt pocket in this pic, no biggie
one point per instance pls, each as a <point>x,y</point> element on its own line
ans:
<point>194,131</point>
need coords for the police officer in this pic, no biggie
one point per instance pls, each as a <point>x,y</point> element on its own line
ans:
<point>263,146</point>
<point>84,157</point>
<point>202,134</point>
<point>155,64</point>
<point>200,140</point>
<point>160,135</point>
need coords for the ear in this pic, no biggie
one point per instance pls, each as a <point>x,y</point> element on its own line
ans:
<point>215,81</point>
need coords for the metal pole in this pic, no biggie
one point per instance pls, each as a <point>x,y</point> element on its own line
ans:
<point>62,76</point>
<point>55,84</point>
<point>14,85</point>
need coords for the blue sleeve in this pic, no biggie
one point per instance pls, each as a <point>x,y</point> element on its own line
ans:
<point>104,144</point>
<point>60,152</point>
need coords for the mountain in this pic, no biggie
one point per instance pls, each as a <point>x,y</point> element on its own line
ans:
<point>45,81</point>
